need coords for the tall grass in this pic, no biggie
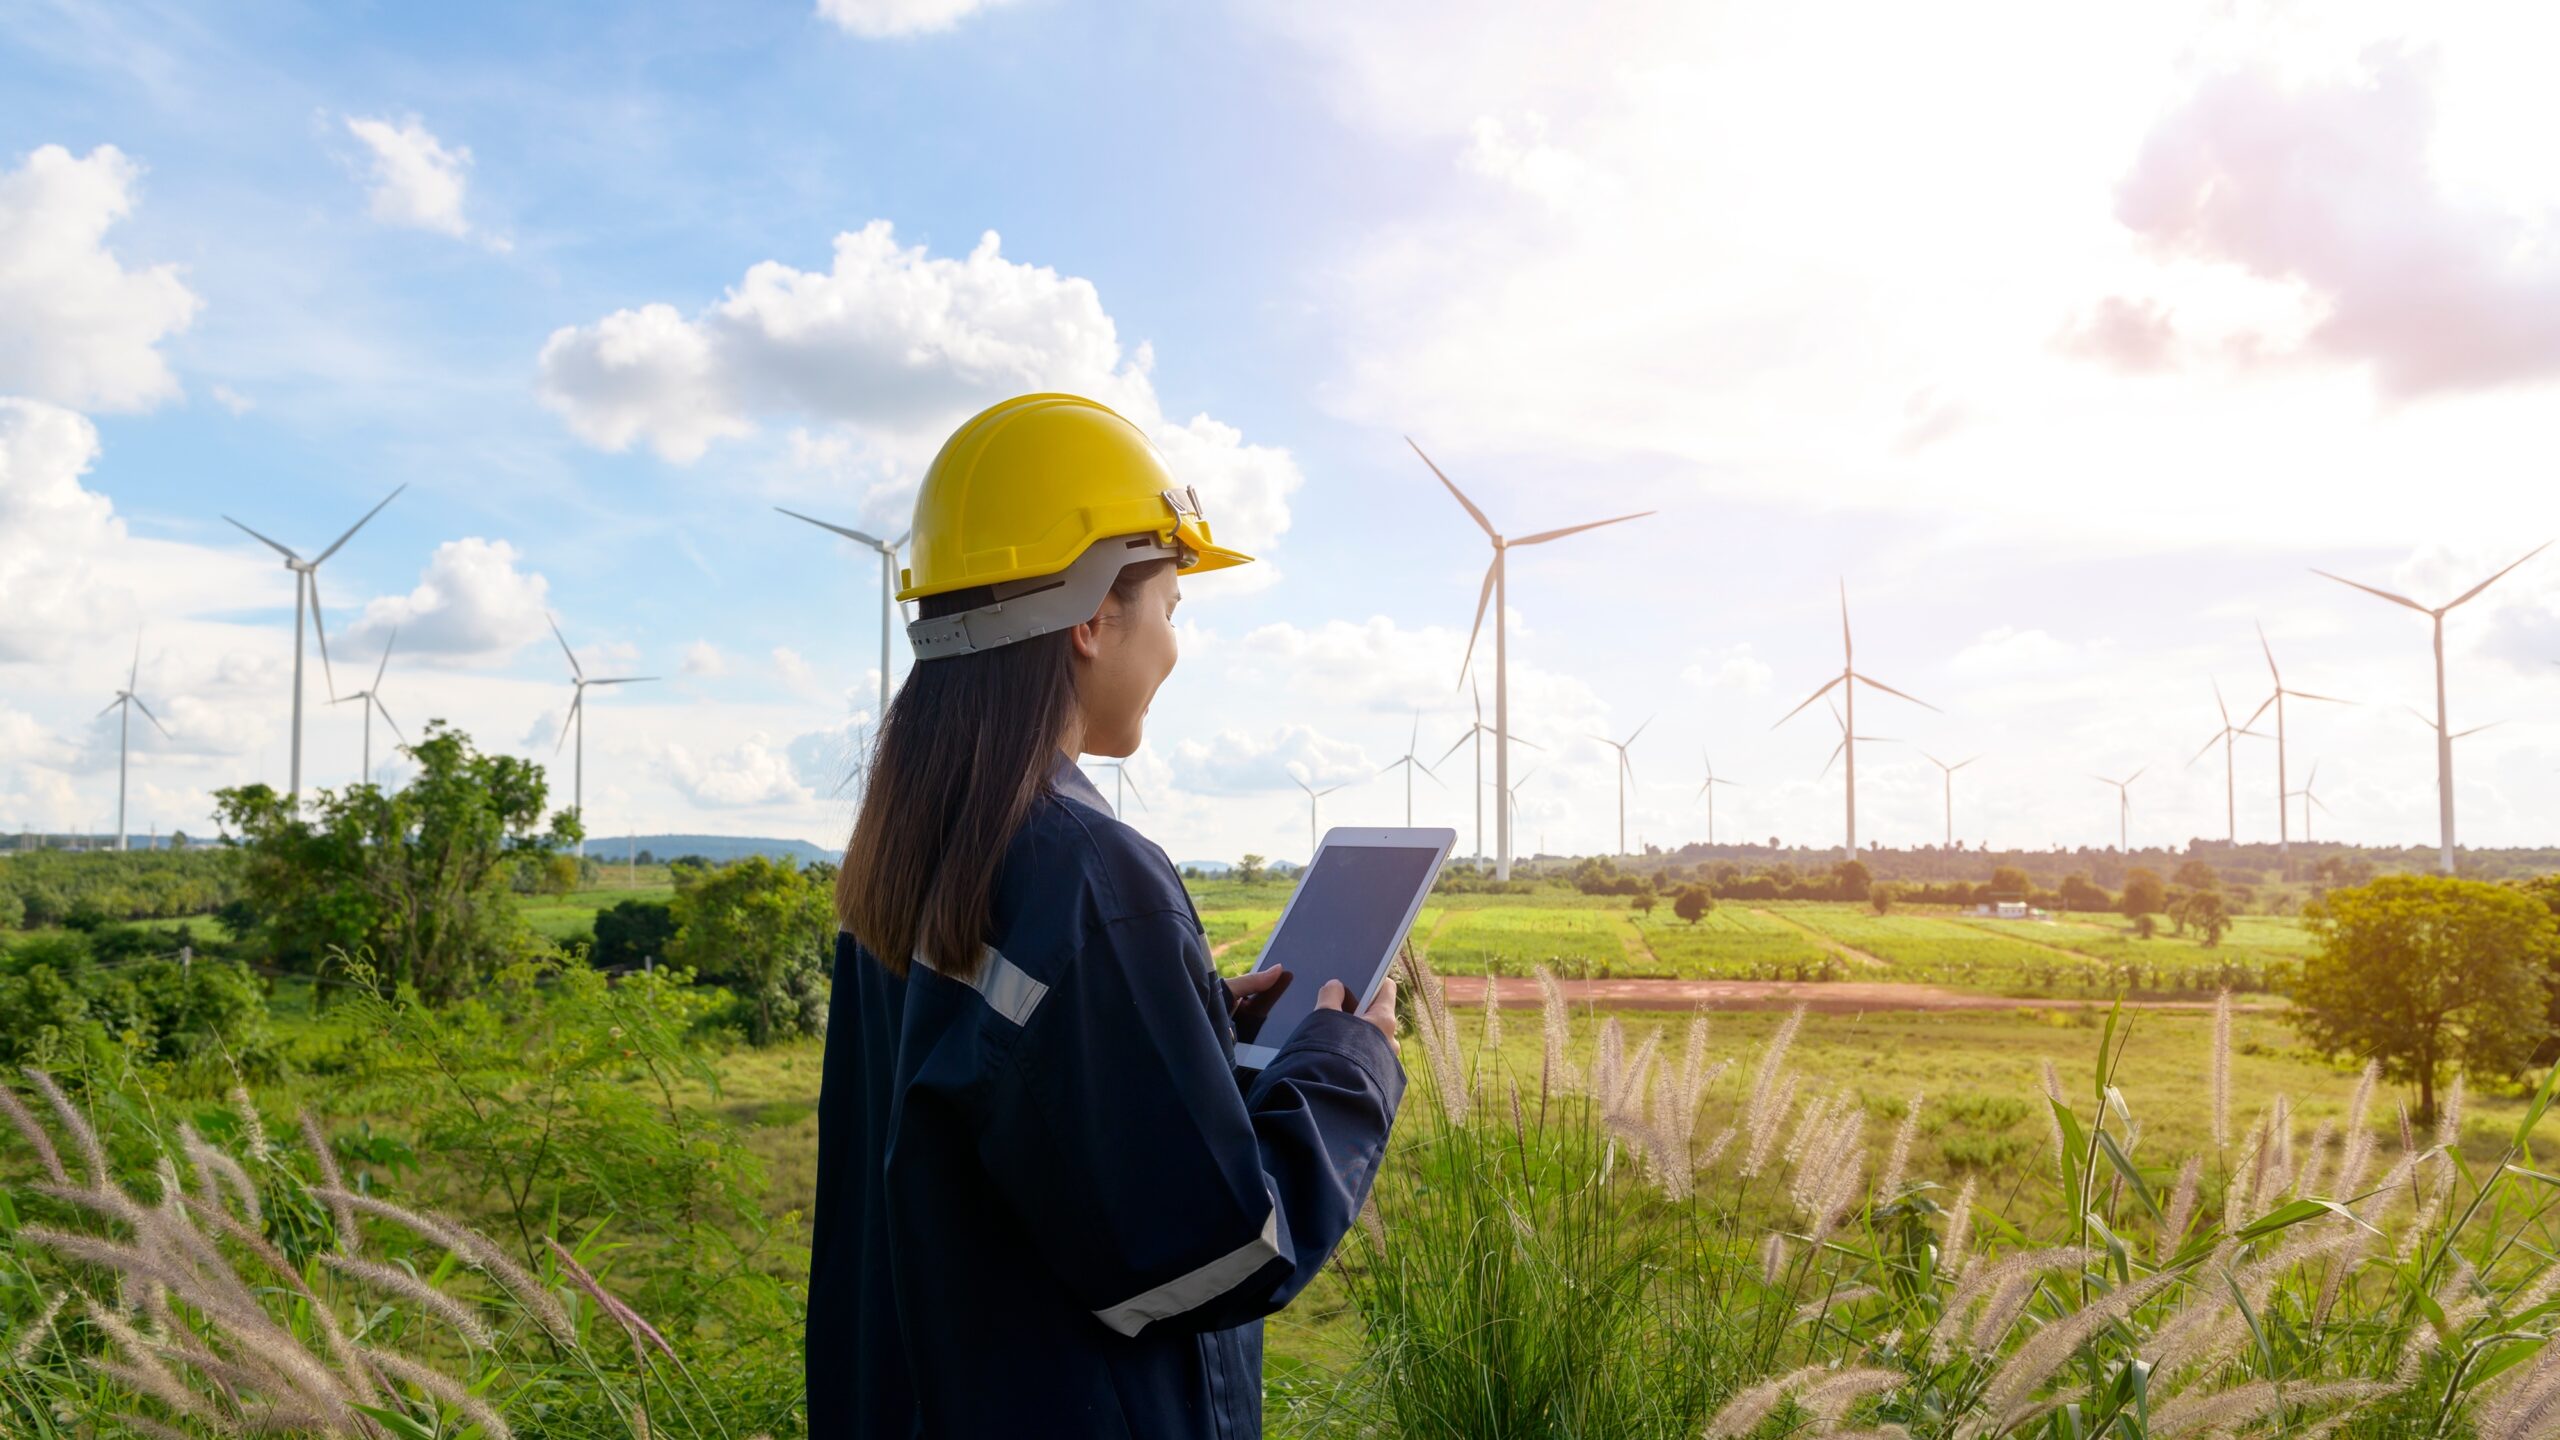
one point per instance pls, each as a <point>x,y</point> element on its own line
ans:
<point>1556,1256</point>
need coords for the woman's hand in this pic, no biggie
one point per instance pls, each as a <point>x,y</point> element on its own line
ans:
<point>1381,1012</point>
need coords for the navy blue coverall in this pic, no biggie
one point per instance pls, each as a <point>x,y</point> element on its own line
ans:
<point>1048,1204</point>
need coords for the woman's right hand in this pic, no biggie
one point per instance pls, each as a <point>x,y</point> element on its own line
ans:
<point>1382,1009</point>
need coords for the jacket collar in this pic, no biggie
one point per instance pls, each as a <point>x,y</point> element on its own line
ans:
<point>1068,779</point>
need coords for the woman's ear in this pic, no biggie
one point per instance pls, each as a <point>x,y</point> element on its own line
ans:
<point>1086,639</point>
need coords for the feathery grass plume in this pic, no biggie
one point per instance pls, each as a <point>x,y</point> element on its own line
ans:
<point>212,1166</point>
<point>25,1121</point>
<point>2240,1193</point>
<point>393,1280</point>
<point>2433,1178</point>
<point>2408,1133</point>
<point>24,1349</point>
<point>2526,1404</point>
<point>1829,1399</point>
<point>1440,1043</point>
<point>1827,1181</point>
<point>1774,1059</point>
<point>151,1429</point>
<point>2452,1299</point>
<point>1369,1221</point>
<point>2182,1208</point>
<point>1706,1159</point>
<point>145,1373</point>
<point>1694,1074</point>
<point>621,1313</point>
<point>350,1366</point>
<point>1981,1281</point>
<point>2221,1086</point>
<point>1835,1299</point>
<point>1492,1039</point>
<point>74,1124</point>
<point>2227,1410</point>
<point>2449,1126</point>
<point>1519,1120</point>
<point>253,1129</point>
<point>481,1252</point>
<point>1953,1252</point>
<point>1816,1116</point>
<point>1626,1096</point>
<point>1743,1413</point>
<point>1773,1257</point>
<point>442,1388</point>
<point>1764,1119</point>
<point>1555,1065</point>
<point>1607,1057</point>
<point>1897,1160</point>
<point>2315,1151</point>
<point>2053,1091</point>
<point>2004,1400</point>
<point>325,1155</point>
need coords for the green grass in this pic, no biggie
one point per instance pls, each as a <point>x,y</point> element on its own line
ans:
<point>557,917</point>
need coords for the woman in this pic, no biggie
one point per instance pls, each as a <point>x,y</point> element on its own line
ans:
<point>1048,1205</point>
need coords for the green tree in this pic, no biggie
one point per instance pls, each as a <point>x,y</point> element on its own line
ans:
<point>1880,899</point>
<point>2197,875</point>
<point>1693,903</point>
<point>1644,901</point>
<point>2079,892</point>
<point>2010,883</point>
<point>769,929</point>
<point>2420,971</point>
<point>2208,916</point>
<point>418,877</point>
<point>1851,879</point>
<point>631,931</point>
<point>2144,893</point>
<point>1249,870</point>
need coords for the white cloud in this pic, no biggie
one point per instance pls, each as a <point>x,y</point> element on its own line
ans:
<point>1731,668</point>
<point>1233,762</point>
<point>470,600</point>
<point>232,400</point>
<point>885,19</point>
<point>704,659</point>
<point>418,182</point>
<point>880,357</point>
<point>76,327</point>
<point>50,528</point>
<point>752,774</point>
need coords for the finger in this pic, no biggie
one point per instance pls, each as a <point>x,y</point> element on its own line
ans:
<point>1258,981</point>
<point>1385,1002</point>
<point>1333,996</point>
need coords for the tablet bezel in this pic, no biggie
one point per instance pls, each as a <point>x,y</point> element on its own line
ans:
<point>1437,839</point>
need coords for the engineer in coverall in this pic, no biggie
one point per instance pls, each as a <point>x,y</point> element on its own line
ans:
<point>1048,1204</point>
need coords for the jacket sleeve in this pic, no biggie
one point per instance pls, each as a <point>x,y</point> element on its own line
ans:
<point>1158,1192</point>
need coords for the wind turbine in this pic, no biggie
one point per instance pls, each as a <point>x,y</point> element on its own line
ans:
<point>306,586</point>
<point>2309,800</point>
<point>1477,732</point>
<point>371,695</point>
<point>1495,592</point>
<point>2444,737</point>
<point>888,586</point>
<point>577,719</point>
<point>1947,777</point>
<point>1626,772</point>
<point>128,701</point>
<point>1119,777</point>
<point>1848,680</point>
<point>1411,764</point>
<point>2124,807</point>
<point>2230,763</point>
<point>1313,795</point>
<point>1845,737</point>
<point>2284,822</point>
<point>1709,791</point>
<point>1513,793</point>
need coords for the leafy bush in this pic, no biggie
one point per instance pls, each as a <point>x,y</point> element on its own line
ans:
<point>767,930</point>
<point>631,931</point>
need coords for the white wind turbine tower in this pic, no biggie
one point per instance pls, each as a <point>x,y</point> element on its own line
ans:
<point>1313,795</point>
<point>2444,736</point>
<point>306,588</point>
<point>1495,592</point>
<point>2309,800</point>
<point>1708,790</point>
<point>888,550</point>
<point>2284,820</point>
<point>128,701</point>
<point>1411,763</point>
<point>371,695</point>
<point>1947,778</point>
<point>1849,679</point>
<point>577,719</point>
<point>1119,777</point>
<point>2225,737</point>
<point>1626,772</point>
<point>2124,807</point>
<point>1476,733</point>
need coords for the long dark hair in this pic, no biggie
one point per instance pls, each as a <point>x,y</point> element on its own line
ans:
<point>963,754</point>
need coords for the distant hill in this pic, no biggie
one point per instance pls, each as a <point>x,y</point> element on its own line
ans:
<point>709,847</point>
<point>1204,867</point>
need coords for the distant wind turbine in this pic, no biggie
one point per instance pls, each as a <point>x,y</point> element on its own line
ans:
<point>1849,679</point>
<point>371,695</point>
<point>2444,736</point>
<point>1947,776</point>
<point>1845,737</point>
<point>1513,795</point>
<point>2309,800</point>
<point>1120,777</point>
<point>1476,733</point>
<point>1495,592</point>
<point>577,720</point>
<point>1708,789</point>
<point>2230,762</point>
<point>888,586</point>
<point>128,701</point>
<point>1410,764</point>
<point>1313,795</point>
<point>2284,821</point>
<point>1626,772</point>
<point>2124,807</point>
<point>306,587</point>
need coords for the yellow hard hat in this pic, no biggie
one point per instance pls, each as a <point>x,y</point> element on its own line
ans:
<point>1023,492</point>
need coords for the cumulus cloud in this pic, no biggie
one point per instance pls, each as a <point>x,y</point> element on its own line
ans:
<point>880,356</point>
<point>417,181</point>
<point>77,327</point>
<point>2328,185</point>
<point>704,659</point>
<point>470,600</point>
<point>887,19</point>
<point>755,773</point>
<point>1733,669</point>
<point>50,526</point>
<point>1233,762</point>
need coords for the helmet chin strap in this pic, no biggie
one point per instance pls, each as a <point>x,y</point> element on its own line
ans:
<point>1024,609</point>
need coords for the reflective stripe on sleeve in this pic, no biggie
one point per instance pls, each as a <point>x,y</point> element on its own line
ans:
<point>1201,1286</point>
<point>1008,987</point>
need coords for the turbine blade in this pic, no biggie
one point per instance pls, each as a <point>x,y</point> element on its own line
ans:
<point>2316,800</point>
<point>319,630</point>
<point>1427,772</point>
<point>2494,579</point>
<point>2271,650</point>
<point>352,529</point>
<point>2209,744</point>
<point>1835,756</point>
<point>1809,699</point>
<point>2422,718</point>
<point>2218,705</point>
<point>568,720</point>
<point>1963,763</point>
<point>133,679</point>
<point>1485,524</point>
<point>1889,690</point>
<point>387,642</point>
<point>2385,594</point>
<point>1484,597</point>
<point>2137,774</point>
<point>623,680</point>
<point>2261,710</point>
<point>1932,759</point>
<point>1532,744</point>
<point>2458,734</point>
<point>263,540</point>
<point>120,699</point>
<point>1846,649</point>
<point>564,645</point>
<point>901,542</point>
<point>1544,536</point>
<point>846,532</point>
<point>385,712</point>
<point>164,730</point>
<point>1639,730</point>
<point>1453,749</point>
<point>2307,695</point>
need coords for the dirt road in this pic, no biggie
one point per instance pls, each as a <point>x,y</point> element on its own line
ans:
<point>1836,998</point>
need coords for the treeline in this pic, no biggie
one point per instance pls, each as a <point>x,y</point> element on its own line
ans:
<point>44,888</point>
<point>94,993</point>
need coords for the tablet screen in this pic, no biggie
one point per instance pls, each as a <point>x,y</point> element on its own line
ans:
<point>1344,919</point>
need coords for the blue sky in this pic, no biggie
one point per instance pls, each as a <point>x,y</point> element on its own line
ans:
<point>2071,344</point>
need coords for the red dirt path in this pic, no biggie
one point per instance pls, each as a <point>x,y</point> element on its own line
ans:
<point>1833,998</point>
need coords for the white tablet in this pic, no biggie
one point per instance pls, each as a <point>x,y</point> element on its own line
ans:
<point>1344,921</point>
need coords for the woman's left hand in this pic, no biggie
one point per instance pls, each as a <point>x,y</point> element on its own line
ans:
<point>1242,989</point>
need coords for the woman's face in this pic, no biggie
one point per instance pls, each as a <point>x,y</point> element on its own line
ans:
<point>1132,652</point>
